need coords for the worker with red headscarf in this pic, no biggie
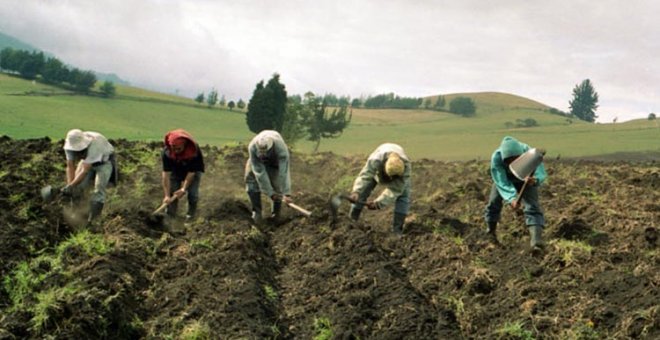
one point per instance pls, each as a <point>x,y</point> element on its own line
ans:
<point>183,165</point>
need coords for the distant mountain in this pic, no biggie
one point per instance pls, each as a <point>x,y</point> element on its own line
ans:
<point>9,41</point>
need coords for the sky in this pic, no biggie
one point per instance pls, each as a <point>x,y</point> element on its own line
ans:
<point>414,48</point>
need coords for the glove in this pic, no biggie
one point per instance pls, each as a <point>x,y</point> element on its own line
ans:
<point>371,205</point>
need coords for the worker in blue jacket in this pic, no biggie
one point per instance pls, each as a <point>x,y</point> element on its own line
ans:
<point>506,187</point>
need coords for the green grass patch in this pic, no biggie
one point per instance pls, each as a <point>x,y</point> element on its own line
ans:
<point>137,114</point>
<point>514,330</point>
<point>323,329</point>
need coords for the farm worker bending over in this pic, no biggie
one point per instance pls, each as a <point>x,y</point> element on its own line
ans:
<point>387,165</point>
<point>267,171</point>
<point>506,186</point>
<point>183,165</point>
<point>96,162</point>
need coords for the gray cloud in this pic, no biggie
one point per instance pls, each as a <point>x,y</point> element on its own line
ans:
<point>538,50</point>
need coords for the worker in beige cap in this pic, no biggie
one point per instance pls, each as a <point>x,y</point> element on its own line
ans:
<point>389,166</point>
<point>267,171</point>
<point>96,165</point>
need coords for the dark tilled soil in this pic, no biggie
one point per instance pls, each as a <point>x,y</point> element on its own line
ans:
<point>220,276</point>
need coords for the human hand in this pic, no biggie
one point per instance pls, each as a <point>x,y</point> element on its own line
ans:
<point>179,193</point>
<point>372,205</point>
<point>353,197</point>
<point>276,197</point>
<point>287,199</point>
<point>531,180</point>
<point>167,199</point>
<point>515,204</point>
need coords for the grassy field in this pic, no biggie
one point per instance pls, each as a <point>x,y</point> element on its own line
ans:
<point>29,110</point>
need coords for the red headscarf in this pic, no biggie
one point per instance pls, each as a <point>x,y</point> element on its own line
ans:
<point>177,137</point>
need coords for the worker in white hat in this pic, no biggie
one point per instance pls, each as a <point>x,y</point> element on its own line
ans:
<point>389,166</point>
<point>96,164</point>
<point>268,171</point>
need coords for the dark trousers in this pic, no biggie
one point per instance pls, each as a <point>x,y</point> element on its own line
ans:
<point>530,200</point>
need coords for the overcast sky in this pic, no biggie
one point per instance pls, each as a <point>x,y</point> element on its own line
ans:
<point>536,49</point>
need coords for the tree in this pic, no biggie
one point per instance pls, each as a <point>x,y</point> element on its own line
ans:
<point>427,103</point>
<point>223,101</point>
<point>356,102</point>
<point>463,106</point>
<point>82,81</point>
<point>651,116</point>
<point>200,98</point>
<point>584,102</point>
<point>267,106</point>
<point>231,105</point>
<point>439,103</point>
<point>293,128</point>
<point>240,104</point>
<point>320,123</point>
<point>212,98</point>
<point>108,89</point>
<point>54,71</point>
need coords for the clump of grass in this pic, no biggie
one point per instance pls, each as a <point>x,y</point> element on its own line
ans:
<point>514,330</point>
<point>570,250</point>
<point>196,330</point>
<point>48,302</point>
<point>90,243</point>
<point>582,331</point>
<point>271,294</point>
<point>201,243</point>
<point>323,329</point>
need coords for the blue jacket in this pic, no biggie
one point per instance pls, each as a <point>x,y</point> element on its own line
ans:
<point>502,176</point>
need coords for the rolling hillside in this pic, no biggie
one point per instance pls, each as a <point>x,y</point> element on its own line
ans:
<point>31,110</point>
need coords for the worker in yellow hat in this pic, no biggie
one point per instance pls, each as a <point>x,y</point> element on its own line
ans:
<point>389,166</point>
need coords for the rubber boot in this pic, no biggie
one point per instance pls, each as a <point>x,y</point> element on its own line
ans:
<point>491,230</point>
<point>95,209</point>
<point>535,236</point>
<point>277,210</point>
<point>355,213</point>
<point>397,223</point>
<point>255,199</point>
<point>192,210</point>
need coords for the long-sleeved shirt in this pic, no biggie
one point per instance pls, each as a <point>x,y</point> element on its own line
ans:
<point>503,177</point>
<point>99,150</point>
<point>276,158</point>
<point>374,169</point>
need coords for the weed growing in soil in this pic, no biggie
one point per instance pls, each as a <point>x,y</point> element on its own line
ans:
<point>582,331</point>
<point>271,294</point>
<point>48,302</point>
<point>514,330</point>
<point>323,329</point>
<point>201,243</point>
<point>572,250</point>
<point>196,330</point>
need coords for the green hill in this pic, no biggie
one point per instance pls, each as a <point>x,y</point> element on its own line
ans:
<point>29,110</point>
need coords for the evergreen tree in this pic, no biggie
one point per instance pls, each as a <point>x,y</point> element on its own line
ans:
<point>231,105</point>
<point>212,98</point>
<point>584,102</point>
<point>267,106</point>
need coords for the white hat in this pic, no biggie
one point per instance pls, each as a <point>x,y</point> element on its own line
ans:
<point>77,140</point>
<point>264,143</point>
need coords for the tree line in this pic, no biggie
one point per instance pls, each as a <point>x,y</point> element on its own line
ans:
<point>34,65</point>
